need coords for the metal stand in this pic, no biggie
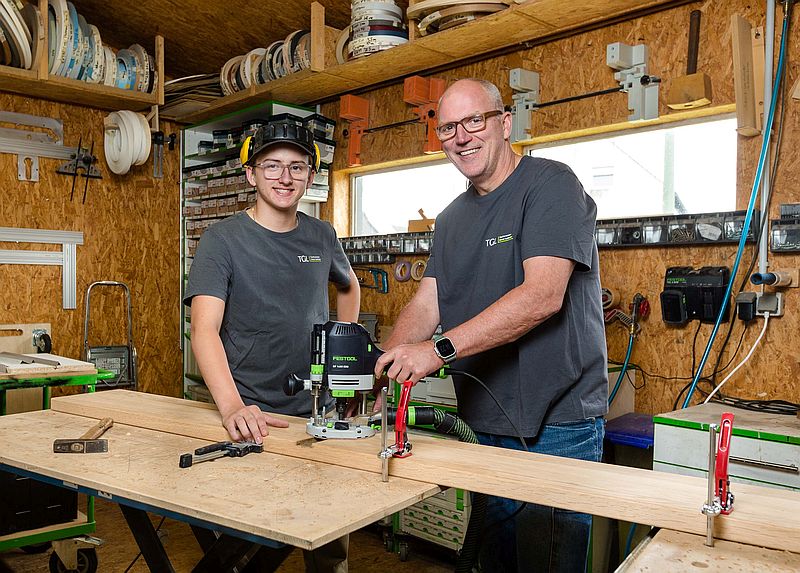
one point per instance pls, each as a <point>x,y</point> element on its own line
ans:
<point>712,507</point>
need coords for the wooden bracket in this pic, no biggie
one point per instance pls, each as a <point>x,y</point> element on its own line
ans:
<point>425,93</point>
<point>355,110</point>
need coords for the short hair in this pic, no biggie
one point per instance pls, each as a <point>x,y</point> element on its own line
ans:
<point>489,89</point>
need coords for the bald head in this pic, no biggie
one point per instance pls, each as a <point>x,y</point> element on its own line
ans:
<point>493,98</point>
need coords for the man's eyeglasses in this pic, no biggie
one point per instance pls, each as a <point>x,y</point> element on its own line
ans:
<point>274,169</point>
<point>472,124</point>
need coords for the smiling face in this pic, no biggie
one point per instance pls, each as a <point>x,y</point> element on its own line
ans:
<point>280,195</point>
<point>482,157</point>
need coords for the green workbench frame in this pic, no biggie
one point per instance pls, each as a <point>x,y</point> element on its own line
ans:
<point>69,529</point>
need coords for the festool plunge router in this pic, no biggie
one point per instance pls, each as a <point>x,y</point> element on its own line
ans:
<point>343,358</point>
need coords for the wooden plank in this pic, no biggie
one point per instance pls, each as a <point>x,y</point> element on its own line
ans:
<point>291,500</point>
<point>317,37</point>
<point>743,77</point>
<point>678,552</point>
<point>12,366</point>
<point>762,516</point>
<point>79,520</point>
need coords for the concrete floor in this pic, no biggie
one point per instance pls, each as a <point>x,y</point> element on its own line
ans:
<point>367,553</point>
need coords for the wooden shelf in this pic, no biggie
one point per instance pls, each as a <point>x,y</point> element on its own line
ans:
<point>533,20</point>
<point>38,82</point>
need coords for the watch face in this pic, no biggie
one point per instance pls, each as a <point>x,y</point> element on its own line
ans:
<point>445,348</point>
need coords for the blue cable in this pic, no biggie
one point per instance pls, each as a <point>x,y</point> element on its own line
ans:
<point>629,541</point>
<point>748,217</point>
<point>622,372</point>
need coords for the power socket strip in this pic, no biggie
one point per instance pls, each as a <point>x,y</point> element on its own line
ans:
<point>771,302</point>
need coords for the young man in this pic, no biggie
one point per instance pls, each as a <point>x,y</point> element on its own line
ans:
<point>257,285</point>
<point>513,279</point>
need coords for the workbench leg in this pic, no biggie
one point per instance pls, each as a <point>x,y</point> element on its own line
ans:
<point>147,540</point>
<point>260,558</point>
<point>227,553</point>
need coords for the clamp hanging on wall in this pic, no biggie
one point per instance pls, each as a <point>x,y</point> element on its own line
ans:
<point>631,61</point>
<point>642,89</point>
<point>424,93</point>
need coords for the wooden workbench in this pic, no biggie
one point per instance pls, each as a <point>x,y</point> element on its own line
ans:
<point>268,496</point>
<point>678,552</point>
<point>765,517</point>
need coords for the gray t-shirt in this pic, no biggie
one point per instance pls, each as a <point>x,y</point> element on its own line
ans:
<point>557,372</point>
<point>275,288</point>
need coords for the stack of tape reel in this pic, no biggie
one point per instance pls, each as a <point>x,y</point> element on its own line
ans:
<point>375,25</point>
<point>262,65</point>
<point>19,25</point>
<point>127,140</point>
<point>76,51</point>
<point>437,15</point>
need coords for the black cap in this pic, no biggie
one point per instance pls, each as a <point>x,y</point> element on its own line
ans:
<point>284,131</point>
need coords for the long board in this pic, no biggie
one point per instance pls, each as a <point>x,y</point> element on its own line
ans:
<point>762,516</point>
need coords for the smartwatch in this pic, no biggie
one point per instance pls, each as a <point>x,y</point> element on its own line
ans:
<point>444,349</point>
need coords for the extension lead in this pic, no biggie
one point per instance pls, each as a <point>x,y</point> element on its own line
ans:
<point>767,129</point>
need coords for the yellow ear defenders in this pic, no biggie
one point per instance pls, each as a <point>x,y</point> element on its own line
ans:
<point>254,143</point>
<point>244,152</point>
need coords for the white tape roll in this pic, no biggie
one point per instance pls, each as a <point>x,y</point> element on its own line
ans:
<point>58,41</point>
<point>111,67</point>
<point>248,66</point>
<point>142,66</point>
<point>88,54</point>
<point>358,8</point>
<point>19,32</point>
<point>117,145</point>
<point>75,47</point>
<point>98,67</point>
<point>341,45</point>
<point>34,23</point>
<point>127,140</point>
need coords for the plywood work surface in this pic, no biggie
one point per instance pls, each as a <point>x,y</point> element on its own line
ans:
<point>66,366</point>
<point>762,516</point>
<point>296,501</point>
<point>683,552</point>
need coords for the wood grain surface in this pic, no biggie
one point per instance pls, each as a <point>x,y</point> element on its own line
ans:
<point>766,517</point>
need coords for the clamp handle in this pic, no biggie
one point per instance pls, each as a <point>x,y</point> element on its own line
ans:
<point>722,480</point>
<point>402,445</point>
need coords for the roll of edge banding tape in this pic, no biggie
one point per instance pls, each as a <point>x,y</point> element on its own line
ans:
<point>35,23</point>
<point>143,66</point>
<point>58,43</point>
<point>402,271</point>
<point>111,67</point>
<point>418,269</point>
<point>341,45</point>
<point>74,52</point>
<point>19,39</point>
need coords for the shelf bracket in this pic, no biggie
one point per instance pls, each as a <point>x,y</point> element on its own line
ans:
<point>66,259</point>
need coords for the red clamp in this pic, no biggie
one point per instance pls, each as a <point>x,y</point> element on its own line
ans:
<point>402,447</point>
<point>722,481</point>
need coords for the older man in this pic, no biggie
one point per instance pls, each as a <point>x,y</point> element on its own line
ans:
<point>513,279</point>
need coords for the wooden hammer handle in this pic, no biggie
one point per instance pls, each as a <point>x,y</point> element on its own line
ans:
<point>98,429</point>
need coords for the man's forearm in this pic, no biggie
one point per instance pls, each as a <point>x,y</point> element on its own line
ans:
<point>415,324</point>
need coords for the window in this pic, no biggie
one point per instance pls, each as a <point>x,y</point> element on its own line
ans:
<point>384,202</point>
<point>667,170</point>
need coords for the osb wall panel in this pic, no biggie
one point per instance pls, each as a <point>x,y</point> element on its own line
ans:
<point>576,65</point>
<point>131,234</point>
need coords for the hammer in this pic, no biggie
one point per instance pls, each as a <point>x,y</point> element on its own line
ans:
<point>87,443</point>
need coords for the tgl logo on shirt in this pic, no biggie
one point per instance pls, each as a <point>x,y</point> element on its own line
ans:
<point>309,258</point>
<point>499,239</point>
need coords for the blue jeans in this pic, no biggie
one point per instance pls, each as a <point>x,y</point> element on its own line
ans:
<point>540,538</point>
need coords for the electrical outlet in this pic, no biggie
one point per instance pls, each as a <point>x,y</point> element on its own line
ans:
<point>771,302</point>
